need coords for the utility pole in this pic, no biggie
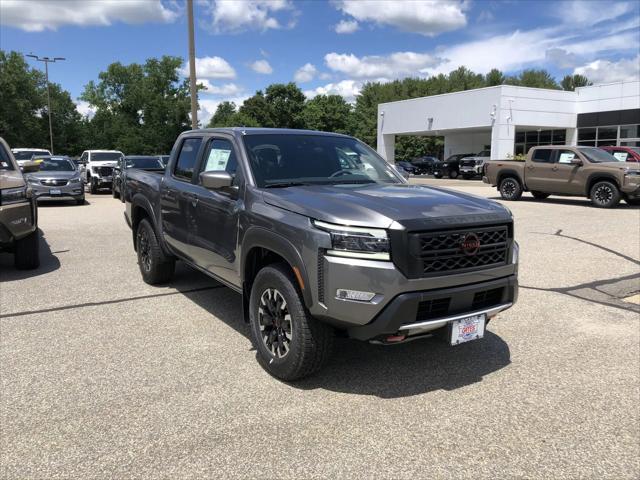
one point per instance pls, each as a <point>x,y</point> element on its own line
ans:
<point>192,68</point>
<point>46,61</point>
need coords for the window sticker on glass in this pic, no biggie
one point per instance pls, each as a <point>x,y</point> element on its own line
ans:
<point>566,157</point>
<point>217,160</point>
<point>621,156</point>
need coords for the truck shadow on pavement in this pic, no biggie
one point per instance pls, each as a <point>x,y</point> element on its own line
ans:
<point>391,371</point>
<point>48,263</point>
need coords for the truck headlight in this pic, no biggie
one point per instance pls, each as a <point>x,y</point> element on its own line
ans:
<point>631,172</point>
<point>13,195</point>
<point>356,242</point>
<point>33,181</point>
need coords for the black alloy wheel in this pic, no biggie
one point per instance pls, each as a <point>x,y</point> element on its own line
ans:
<point>274,320</point>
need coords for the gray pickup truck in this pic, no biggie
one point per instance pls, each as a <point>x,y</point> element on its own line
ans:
<point>321,237</point>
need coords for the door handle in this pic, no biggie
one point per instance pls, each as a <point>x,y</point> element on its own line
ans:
<point>555,169</point>
<point>192,197</point>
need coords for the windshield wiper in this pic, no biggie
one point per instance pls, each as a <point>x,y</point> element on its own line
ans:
<point>286,184</point>
<point>352,182</point>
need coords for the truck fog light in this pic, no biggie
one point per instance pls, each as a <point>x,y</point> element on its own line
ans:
<point>342,294</point>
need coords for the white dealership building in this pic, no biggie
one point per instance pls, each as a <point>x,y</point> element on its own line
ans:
<point>509,120</point>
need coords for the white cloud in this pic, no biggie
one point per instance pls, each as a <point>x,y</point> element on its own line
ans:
<point>40,15</point>
<point>210,67</point>
<point>85,109</point>
<point>228,89</point>
<point>306,73</point>
<point>261,66</point>
<point>234,16</point>
<point>395,64</point>
<point>561,58</point>
<point>580,12</point>
<point>605,71</point>
<point>346,26</point>
<point>426,17</point>
<point>348,89</point>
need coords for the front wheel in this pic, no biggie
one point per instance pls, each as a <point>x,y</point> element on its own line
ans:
<point>27,252</point>
<point>289,342</point>
<point>510,189</point>
<point>453,174</point>
<point>605,194</point>
<point>155,267</point>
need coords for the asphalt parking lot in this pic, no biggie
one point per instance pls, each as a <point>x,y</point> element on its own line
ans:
<point>105,376</point>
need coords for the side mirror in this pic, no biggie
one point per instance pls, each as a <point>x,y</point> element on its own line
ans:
<point>30,167</point>
<point>216,180</point>
<point>576,162</point>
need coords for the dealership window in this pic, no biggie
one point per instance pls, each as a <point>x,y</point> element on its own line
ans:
<point>624,135</point>
<point>532,138</point>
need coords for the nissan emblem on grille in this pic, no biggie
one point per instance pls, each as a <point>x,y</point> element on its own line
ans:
<point>470,244</point>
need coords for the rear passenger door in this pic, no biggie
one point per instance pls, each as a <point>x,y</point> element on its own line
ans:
<point>539,171</point>
<point>215,232</point>
<point>178,194</point>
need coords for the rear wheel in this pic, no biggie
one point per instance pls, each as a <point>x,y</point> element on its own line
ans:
<point>289,342</point>
<point>27,252</point>
<point>453,174</point>
<point>605,194</point>
<point>154,265</point>
<point>510,189</point>
<point>539,195</point>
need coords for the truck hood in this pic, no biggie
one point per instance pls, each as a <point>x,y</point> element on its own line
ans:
<point>620,165</point>
<point>413,206</point>
<point>103,163</point>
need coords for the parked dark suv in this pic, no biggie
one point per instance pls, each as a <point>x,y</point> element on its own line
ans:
<point>319,234</point>
<point>451,166</point>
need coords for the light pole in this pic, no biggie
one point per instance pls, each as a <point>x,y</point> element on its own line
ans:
<point>192,68</point>
<point>46,61</point>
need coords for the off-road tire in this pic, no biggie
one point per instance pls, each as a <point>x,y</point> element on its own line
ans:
<point>605,194</point>
<point>154,265</point>
<point>539,195</point>
<point>93,187</point>
<point>510,189</point>
<point>311,340</point>
<point>27,252</point>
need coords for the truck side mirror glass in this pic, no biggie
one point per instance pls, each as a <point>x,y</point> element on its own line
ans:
<point>215,180</point>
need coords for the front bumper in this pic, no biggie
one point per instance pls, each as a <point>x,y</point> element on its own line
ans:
<point>417,313</point>
<point>71,190</point>
<point>471,170</point>
<point>631,186</point>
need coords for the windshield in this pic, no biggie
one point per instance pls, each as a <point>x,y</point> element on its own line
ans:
<point>27,154</point>
<point>105,156</point>
<point>635,149</point>
<point>56,165</point>
<point>281,160</point>
<point>596,155</point>
<point>143,162</point>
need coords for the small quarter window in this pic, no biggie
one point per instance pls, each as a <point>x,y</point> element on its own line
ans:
<point>187,158</point>
<point>542,155</point>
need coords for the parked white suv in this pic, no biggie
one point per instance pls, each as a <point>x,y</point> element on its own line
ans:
<point>23,155</point>
<point>98,168</point>
<point>473,166</point>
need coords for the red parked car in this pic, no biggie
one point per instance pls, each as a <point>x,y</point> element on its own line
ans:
<point>625,154</point>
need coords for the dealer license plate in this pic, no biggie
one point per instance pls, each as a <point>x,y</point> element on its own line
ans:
<point>467,329</point>
<point>55,191</point>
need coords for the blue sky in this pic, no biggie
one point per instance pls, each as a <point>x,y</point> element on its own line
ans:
<point>327,47</point>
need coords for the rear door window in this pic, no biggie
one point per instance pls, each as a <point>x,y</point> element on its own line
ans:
<point>542,155</point>
<point>187,158</point>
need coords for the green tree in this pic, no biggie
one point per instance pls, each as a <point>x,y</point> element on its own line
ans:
<point>257,110</point>
<point>286,103</point>
<point>66,122</point>
<point>328,113</point>
<point>224,116</point>
<point>139,108</point>
<point>21,102</point>
<point>494,78</point>
<point>571,82</point>
<point>534,78</point>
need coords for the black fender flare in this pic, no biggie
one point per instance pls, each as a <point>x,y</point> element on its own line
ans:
<point>140,201</point>
<point>267,239</point>
<point>599,176</point>
<point>510,173</point>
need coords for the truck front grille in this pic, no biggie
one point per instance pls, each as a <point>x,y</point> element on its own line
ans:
<point>54,182</point>
<point>429,309</point>
<point>443,307</point>
<point>442,252</point>
<point>104,171</point>
<point>467,163</point>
